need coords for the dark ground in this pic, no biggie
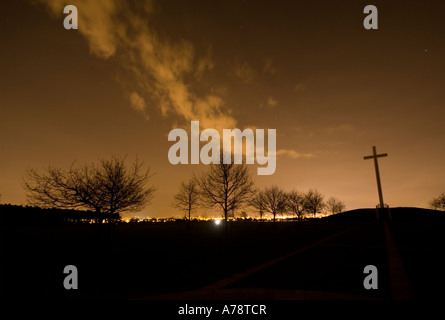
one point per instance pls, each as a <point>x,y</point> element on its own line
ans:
<point>148,261</point>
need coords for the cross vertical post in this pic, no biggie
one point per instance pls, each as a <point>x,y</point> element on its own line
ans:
<point>377,173</point>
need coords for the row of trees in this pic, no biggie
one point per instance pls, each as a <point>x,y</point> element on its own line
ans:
<point>109,188</point>
<point>276,201</point>
<point>271,200</point>
<point>230,187</point>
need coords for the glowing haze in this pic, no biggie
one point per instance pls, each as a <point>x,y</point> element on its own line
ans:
<point>134,70</point>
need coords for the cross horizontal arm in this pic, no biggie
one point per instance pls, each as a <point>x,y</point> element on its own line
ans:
<point>376,156</point>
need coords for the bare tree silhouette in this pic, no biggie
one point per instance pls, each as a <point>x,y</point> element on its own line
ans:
<point>257,202</point>
<point>275,201</point>
<point>334,205</point>
<point>108,188</point>
<point>439,202</point>
<point>313,202</point>
<point>295,203</point>
<point>187,198</point>
<point>228,186</point>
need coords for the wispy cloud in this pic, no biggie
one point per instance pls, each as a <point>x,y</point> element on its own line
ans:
<point>344,128</point>
<point>294,154</point>
<point>138,103</point>
<point>120,30</point>
<point>205,63</point>
<point>268,66</point>
<point>245,72</point>
<point>271,102</point>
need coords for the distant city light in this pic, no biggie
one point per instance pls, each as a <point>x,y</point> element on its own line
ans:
<point>217,222</point>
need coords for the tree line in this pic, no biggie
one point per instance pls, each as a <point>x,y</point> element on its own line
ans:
<point>110,187</point>
<point>272,200</point>
<point>28,215</point>
<point>229,187</point>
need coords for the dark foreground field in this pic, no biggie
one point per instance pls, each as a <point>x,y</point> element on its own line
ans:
<point>318,259</point>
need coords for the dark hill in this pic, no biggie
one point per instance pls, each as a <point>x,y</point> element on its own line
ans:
<point>399,213</point>
<point>20,215</point>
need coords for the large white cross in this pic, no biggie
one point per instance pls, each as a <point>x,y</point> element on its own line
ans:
<point>376,165</point>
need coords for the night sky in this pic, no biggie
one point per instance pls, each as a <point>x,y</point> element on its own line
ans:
<point>134,70</point>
